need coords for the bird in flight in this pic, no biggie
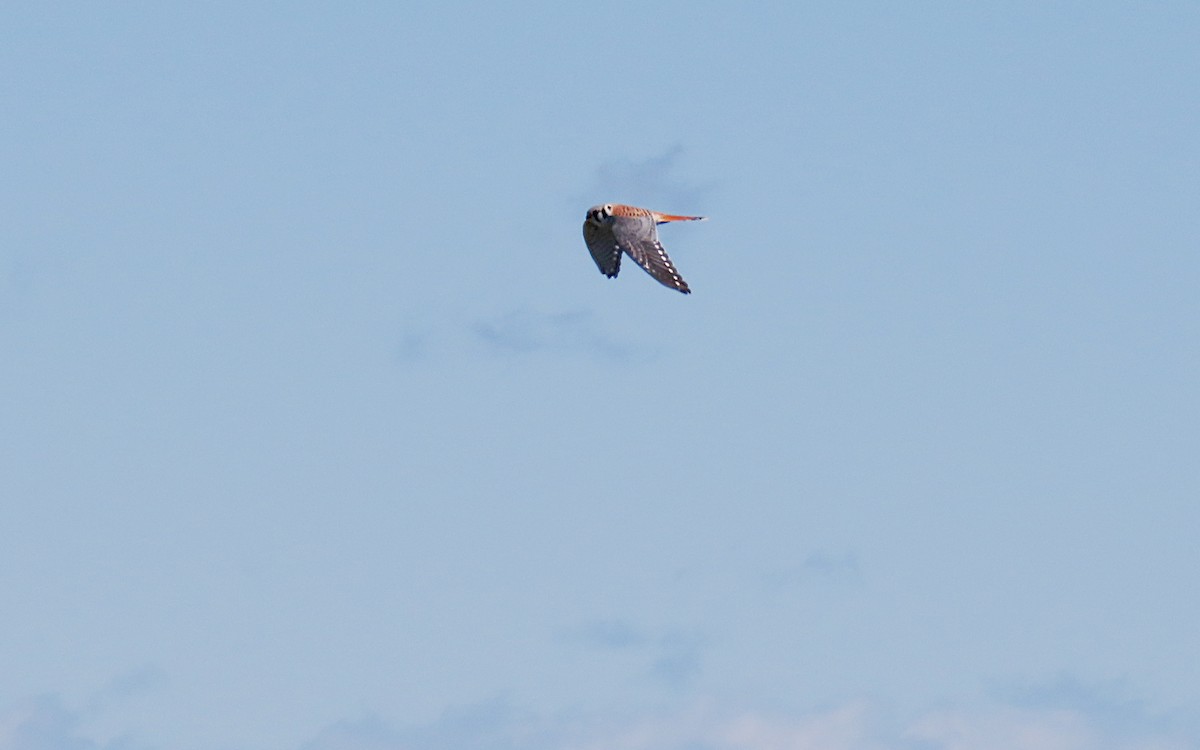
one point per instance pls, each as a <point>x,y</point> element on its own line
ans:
<point>613,228</point>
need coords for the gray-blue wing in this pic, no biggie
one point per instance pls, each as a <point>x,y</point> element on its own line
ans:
<point>637,236</point>
<point>603,247</point>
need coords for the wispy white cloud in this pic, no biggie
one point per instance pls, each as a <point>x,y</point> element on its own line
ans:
<point>518,332</point>
<point>679,659</point>
<point>492,725</point>
<point>136,682</point>
<point>606,634</point>
<point>411,347</point>
<point>527,332</point>
<point>845,728</point>
<point>1112,706</point>
<point>1011,728</point>
<point>830,564</point>
<point>45,723</point>
<point>654,181</point>
<point>1006,729</point>
<point>367,733</point>
<point>820,567</point>
<point>853,726</point>
<point>48,722</point>
<point>1067,691</point>
<point>672,658</point>
<point>705,728</point>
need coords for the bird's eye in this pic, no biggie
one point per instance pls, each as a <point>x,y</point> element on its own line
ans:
<point>607,209</point>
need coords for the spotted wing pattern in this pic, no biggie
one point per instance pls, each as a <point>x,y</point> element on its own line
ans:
<point>637,236</point>
<point>616,228</point>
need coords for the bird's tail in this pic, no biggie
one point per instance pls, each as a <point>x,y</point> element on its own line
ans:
<point>664,218</point>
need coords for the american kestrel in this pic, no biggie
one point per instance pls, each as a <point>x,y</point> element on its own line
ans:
<point>613,228</point>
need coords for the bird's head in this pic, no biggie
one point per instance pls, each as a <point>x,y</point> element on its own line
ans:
<point>600,214</point>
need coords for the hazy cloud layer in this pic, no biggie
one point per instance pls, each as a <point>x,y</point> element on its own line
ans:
<point>1112,706</point>
<point>849,727</point>
<point>1008,728</point>
<point>46,724</point>
<point>495,725</point>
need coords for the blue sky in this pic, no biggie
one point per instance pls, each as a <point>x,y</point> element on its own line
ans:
<point>321,430</point>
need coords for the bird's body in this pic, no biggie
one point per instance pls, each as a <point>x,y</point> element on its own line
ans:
<point>614,228</point>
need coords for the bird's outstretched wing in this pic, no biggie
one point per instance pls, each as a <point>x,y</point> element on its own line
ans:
<point>603,247</point>
<point>638,236</point>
